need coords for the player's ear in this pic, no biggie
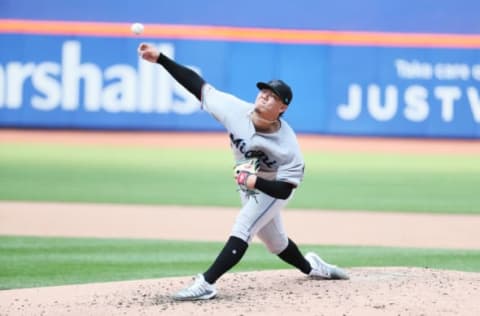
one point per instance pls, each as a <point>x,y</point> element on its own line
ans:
<point>283,108</point>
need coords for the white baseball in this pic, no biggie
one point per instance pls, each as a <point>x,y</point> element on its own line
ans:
<point>137,28</point>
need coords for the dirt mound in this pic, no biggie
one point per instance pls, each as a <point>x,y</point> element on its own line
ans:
<point>370,291</point>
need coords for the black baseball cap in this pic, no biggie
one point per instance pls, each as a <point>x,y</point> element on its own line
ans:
<point>280,88</point>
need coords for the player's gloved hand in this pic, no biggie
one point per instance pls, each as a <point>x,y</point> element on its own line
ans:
<point>242,170</point>
<point>241,179</point>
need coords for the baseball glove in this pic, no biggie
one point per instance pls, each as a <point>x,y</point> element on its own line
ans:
<point>242,170</point>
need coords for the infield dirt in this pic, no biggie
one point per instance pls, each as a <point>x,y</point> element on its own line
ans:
<point>370,291</point>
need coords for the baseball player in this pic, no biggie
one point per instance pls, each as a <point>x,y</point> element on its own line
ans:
<point>269,168</point>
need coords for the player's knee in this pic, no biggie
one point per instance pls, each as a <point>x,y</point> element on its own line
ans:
<point>277,246</point>
<point>241,235</point>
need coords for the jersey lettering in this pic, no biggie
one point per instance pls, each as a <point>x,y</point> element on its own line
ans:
<point>240,144</point>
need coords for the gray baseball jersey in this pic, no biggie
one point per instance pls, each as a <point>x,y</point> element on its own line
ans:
<point>279,152</point>
<point>280,159</point>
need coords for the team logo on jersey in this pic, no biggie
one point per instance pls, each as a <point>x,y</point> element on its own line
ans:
<point>240,144</point>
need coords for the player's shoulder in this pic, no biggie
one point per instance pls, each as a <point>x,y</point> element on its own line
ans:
<point>223,104</point>
<point>213,92</point>
<point>288,134</point>
<point>286,128</point>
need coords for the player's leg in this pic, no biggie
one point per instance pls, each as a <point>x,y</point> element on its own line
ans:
<point>254,214</point>
<point>275,238</point>
<point>264,220</point>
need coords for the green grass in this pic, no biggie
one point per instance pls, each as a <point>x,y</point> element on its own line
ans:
<point>407,183</point>
<point>32,262</point>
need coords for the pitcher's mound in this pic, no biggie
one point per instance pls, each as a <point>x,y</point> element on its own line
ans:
<point>370,291</point>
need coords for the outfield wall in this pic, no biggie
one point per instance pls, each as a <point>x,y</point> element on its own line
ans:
<point>373,75</point>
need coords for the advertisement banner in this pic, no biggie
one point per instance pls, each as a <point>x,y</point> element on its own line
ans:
<point>100,83</point>
<point>404,91</point>
<point>91,83</point>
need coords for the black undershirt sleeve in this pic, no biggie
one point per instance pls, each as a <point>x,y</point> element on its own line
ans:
<point>276,189</point>
<point>184,75</point>
<point>194,83</point>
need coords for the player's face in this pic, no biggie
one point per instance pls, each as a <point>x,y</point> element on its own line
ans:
<point>269,105</point>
